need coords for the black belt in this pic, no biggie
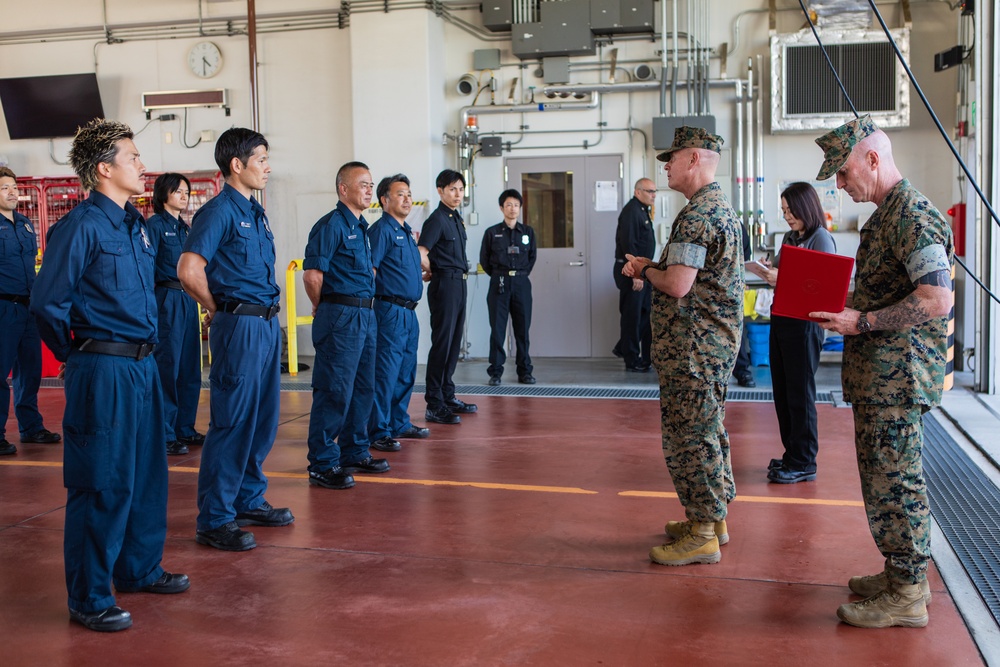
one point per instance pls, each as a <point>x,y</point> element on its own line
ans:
<point>450,273</point>
<point>170,284</point>
<point>16,298</point>
<point>345,300</point>
<point>409,305</point>
<point>251,309</point>
<point>133,350</point>
<point>509,272</point>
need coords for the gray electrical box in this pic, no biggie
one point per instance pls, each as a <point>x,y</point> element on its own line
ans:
<point>564,30</point>
<point>490,146</point>
<point>614,17</point>
<point>486,59</point>
<point>498,15</point>
<point>555,69</point>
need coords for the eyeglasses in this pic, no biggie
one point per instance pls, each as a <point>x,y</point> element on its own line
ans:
<point>648,192</point>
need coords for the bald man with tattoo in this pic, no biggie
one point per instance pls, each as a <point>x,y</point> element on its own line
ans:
<point>895,344</point>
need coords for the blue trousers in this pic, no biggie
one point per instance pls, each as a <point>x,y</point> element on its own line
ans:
<point>115,472</point>
<point>343,385</point>
<point>178,358</point>
<point>395,369</point>
<point>21,352</point>
<point>246,390</point>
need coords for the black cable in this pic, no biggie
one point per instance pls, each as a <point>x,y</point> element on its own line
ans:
<point>184,130</point>
<point>828,61</point>
<point>944,134</point>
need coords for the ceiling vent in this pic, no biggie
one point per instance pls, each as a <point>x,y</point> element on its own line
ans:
<point>805,94</point>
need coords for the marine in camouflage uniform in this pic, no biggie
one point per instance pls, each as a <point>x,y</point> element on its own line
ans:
<point>893,368</point>
<point>696,335</point>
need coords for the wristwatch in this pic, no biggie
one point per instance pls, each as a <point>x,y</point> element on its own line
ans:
<point>642,274</point>
<point>864,326</point>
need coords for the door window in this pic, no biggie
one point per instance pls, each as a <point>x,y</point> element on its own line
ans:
<point>548,207</point>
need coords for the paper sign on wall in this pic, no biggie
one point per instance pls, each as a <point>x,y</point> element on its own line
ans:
<point>606,198</point>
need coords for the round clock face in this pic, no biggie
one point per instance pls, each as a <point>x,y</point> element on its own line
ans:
<point>205,59</point>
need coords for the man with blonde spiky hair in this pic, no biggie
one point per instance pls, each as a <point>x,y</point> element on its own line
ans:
<point>96,311</point>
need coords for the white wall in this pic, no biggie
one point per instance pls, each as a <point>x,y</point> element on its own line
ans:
<point>382,91</point>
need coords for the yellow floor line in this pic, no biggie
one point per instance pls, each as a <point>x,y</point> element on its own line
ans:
<point>503,487</point>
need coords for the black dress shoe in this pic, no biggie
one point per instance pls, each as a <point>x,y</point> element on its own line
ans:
<point>617,350</point>
<point>386,444</point>
<point>460,407</point>
<point>639,368</point>
<point>786,476</point>
<point>414,432</point>
<point>334,478</point>
<point>370,466</point>
<point>227,537</point>
<point>111,619</point>
<point>746,380</point>
<point>196,440</point>
<point>775,463</point>
<point>175,448</point>
<point>494,380</point>
<point>442,415</point>
<point>527,379</point>
<point>166,584</point>
<point>265,515</point>
<point>42,437</point>
<point>6,447</point>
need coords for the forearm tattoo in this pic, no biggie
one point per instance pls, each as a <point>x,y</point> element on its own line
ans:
<point>940,278</point>
<point>907,313</point>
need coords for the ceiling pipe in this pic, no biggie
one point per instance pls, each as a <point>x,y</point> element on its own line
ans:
<point>630,87</point>
<point>252,42</point>
<point>592,103</point>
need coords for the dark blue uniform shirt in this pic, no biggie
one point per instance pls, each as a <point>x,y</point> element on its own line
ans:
<point>338,246</point>
<point>18,248</point>
<point>167,234</point>
<point>396,258</point>
<point>232,233</point>
<point>505,248</point>
<point>96,278</point>
<point>443,234</point>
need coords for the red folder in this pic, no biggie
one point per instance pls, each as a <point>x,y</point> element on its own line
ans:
<point>810,281</point>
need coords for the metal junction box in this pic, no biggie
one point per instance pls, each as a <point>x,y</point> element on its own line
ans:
<point>564,30</point>
<point>612,17</point>
<point>498,15</point>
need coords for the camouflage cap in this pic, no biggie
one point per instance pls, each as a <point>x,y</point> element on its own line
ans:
<point>838,144</point>
<point>692,137</point>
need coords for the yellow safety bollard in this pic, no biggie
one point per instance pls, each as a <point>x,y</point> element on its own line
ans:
<point>293,320</point>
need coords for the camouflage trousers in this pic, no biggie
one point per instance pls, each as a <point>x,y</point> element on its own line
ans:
<point>889,440</point>
<point>696,446</point>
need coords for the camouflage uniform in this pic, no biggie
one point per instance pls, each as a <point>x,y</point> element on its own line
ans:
<point>892,377</point>
<point>695,340</point>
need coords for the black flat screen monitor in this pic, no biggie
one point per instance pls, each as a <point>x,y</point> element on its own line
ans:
<point>43,107</point>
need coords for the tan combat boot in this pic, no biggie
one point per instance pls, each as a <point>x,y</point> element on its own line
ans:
<point>675,529</point>
<point>871,584</point>
<point>897,605</point>
<point>698,544</point>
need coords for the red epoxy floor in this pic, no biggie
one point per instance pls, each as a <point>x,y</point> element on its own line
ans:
<point>543,563</point>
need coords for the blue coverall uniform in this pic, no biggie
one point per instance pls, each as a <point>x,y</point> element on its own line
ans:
<point>20,346</point>
<point>443,234</point>
<point>179,350</point>
<point>343,334</point>
<point>96,285</point>
<point>398,288</point>
<point>233,235</point>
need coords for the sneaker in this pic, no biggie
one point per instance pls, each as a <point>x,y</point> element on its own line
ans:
<point>386,444</point>
<point>227,537</point>
<point>442,415</point>
<point>414,432</point>
<point>874,584</point>
<point>41,437</point>
<point>168,584</point>
<point>334,478</point>
<point>786,476</point>
<point>369,466</point>
<point>265,515</point>
<point>677,530</point>
<point>495,381</point>
<point>460,407</point>
<point>175,448</point>
<point>899,605</point>
<point>527,379</point>
<point>111,619</point>
<point>6,447</point>
<point>698,545</point>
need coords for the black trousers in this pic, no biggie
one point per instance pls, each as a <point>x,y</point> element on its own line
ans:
<point>636,334</point>
<point>446,297</point>
<point>515,301</point>
<point>794,350</point>
<point>742,366</point>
